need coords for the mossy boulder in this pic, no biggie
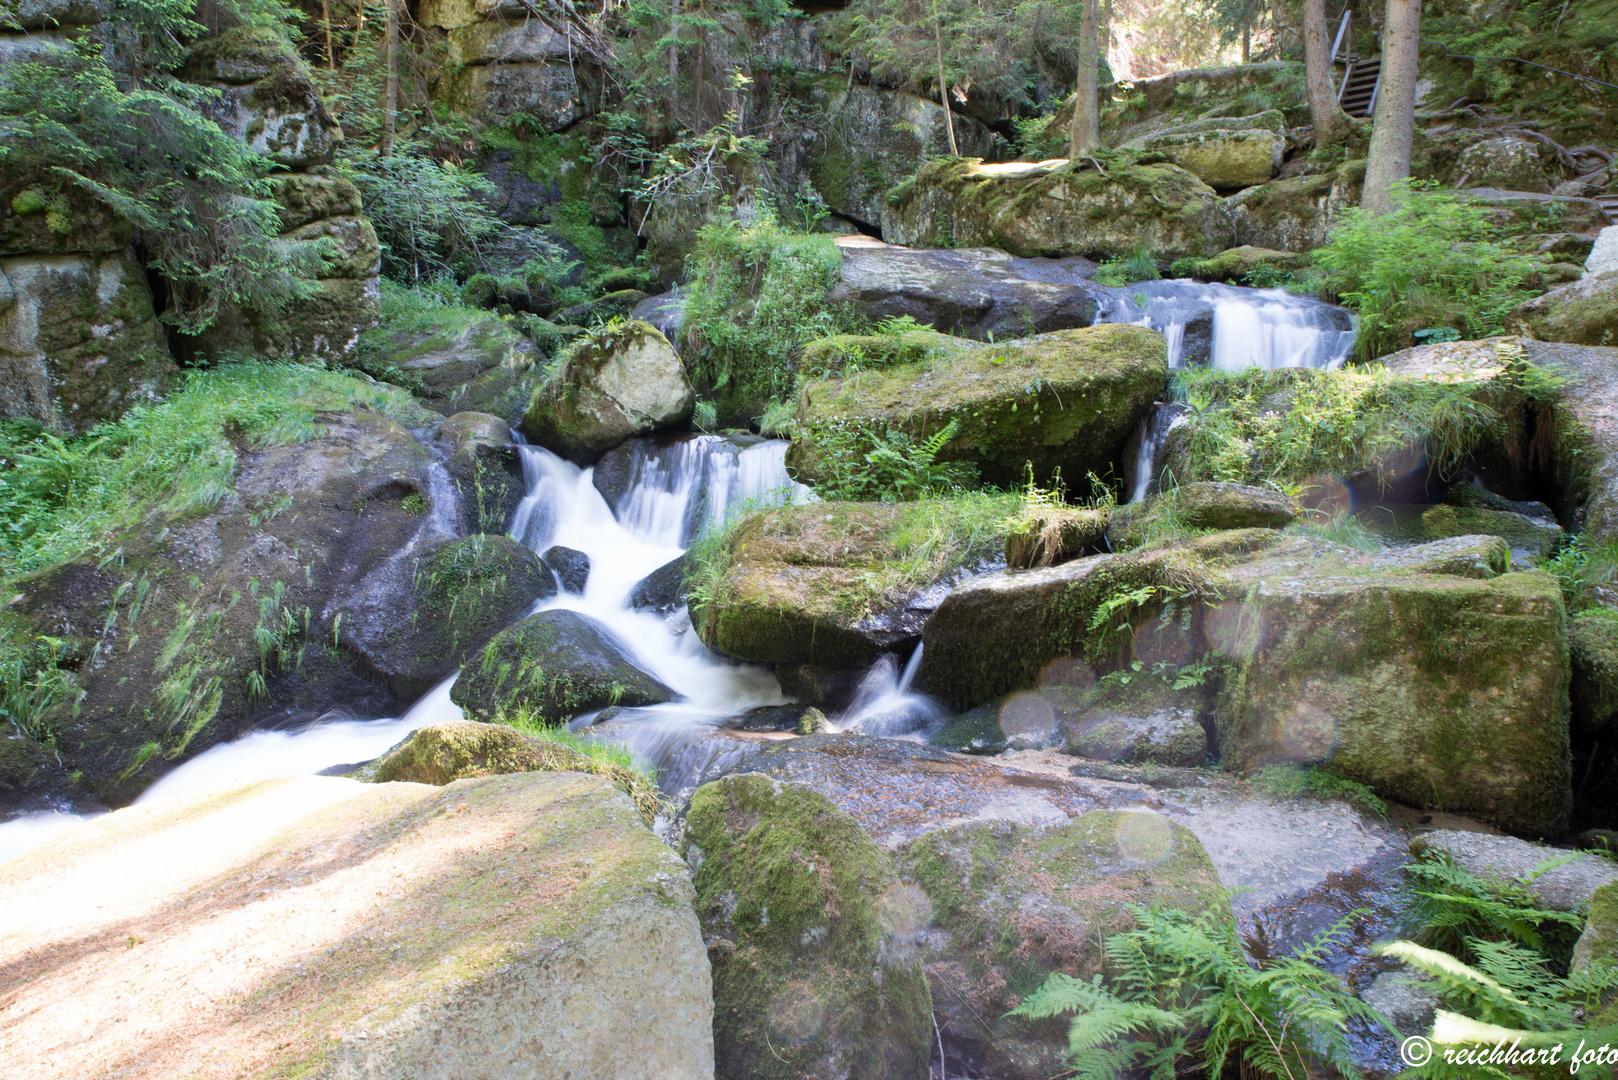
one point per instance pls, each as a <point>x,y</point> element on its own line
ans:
<point>80,342</point>
<point>1241,264</point>
<point>811,937</point>
<point>1429,688</point>
<point>453,750</point>
<point>837,583</point>
<point>976,731</point>
<point>1582,312</point>
<point>1063,400</point>
<point>1204,505</point>
<point>1294,214</point>
<point>1167,735</point>
<point>621,381</point>
<point>445,606</point>
<point>553,665</point>
<point>1132,200</point>
<point>1009,905</point>
<point>1225,152</point>
<point>1046,535</point>
<point>267,97</point>
<point>464,360</point>
<point>1479,557</point>
<point>1600,938</point>
<point>1594,689</point>
<point>1136,108</point>
<point>526,925</point>
<point>1530,539</point>
<point>486,467</point>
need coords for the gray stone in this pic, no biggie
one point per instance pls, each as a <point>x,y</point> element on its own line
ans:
<point>1461,556</point>
<point>486,467</point>
<point>977,292</point>
<point>665,312</point>
<point>1505,161</point>
<point>1603,258</point>
<point>1168,736</point>
<point>1506,857</point>
<point>1581,312</point>
<point>1225,152</point>
<point>526,924</point>
<point>572,567</point>
<point>1405,996</point>
<point>663,590</point>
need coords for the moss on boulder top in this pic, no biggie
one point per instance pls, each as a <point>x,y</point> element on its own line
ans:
<point>839,583</point>
<point>618,382</point>
<point>810,935</point>
<point>1200,506</point>
<point>1064,400</point>
<point>1111,203</point>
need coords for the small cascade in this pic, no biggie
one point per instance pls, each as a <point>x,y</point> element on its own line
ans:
<point>1154,428</point>
<point>1231,327</point>
<point>884,704</point>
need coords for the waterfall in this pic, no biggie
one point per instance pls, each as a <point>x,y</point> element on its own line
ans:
<point>1268,328</point>
<point>1154,428</point>
<point>884,705</point>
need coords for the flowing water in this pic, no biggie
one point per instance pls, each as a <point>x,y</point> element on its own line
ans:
<point>674,489</point>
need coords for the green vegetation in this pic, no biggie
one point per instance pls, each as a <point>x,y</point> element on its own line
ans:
<point>1181,995</point>
<point>1138,265</point>
<point>602,757</point>
<point>94,152</point>
<point>1283,427</point>
<point>1435,262</point>
<point>757,295</point>
<point>1295,782</point>
<point>863,463</point>
<point>428,214</point>
<point>1582,567</point>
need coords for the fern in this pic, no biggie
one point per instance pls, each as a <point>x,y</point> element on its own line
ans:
<point>1458,909</point>
<point>1184,996</point>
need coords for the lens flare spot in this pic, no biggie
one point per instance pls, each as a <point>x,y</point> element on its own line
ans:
<point>1232,629</point>
<point>905,912</point>
<point>1027,719</point>
<point>797,1012</point>
<point>1145,837</point>
<point>1068,671</point>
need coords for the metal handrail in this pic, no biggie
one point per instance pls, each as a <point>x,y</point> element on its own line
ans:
<point>1342,32</point>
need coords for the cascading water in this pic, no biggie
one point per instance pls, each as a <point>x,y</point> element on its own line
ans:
<point>1226,327</point>
<point>674,488</point>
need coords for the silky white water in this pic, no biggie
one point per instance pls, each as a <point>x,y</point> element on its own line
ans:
<point>1267,328</point>
<point>674,490</point>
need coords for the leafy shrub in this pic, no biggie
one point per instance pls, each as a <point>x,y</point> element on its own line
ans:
<point>757,295</point>
<point>1581,566</point>
<point>428,214</point>
<point>865,464</point>
<point>1181,996</point>
<point>1434,261</point>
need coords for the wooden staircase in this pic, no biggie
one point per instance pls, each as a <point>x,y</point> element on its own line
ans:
<point>1357,94</point>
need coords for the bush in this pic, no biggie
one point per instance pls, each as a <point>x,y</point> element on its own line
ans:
<point>1435,261</point>
<point>757,295</point>
<point>428,214</point>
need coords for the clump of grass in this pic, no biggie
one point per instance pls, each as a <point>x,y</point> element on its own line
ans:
<point>1294,782</point>
<point>1582,566</point>
<point>601,757</point>
<point>1341,528</point>
<point>1138,265</point>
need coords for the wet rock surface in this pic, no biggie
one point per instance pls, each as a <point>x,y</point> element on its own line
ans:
<point>1560,888</point>
<point>571,567</point>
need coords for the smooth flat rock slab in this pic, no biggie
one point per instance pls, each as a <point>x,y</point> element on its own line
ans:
<point>507,926</point>
<point>1561,889</point>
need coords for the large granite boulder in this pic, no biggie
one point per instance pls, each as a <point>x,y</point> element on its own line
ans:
<point>1086,391</point>
<point>1203,505</point>
<point>1225,152</point>
<point>553,666</point>
<point>509,925</point>
<point>1564,887</point>
<point>1582,312</point>
<point>443,607</point>
<point>221,616</point>
<point>486,466</point>
<point>1505,161</point>
<point>504,60</point>
<point>1394,670</point>
<point>811,937</point>
<point>836,583</point>
<point>266,96</point>
<point>872,138</point>
<point>1056,208</point>
<point>1296,213</point>
<point>976,292</point>
<point>621,381</point>
<point>80,342</point>
<point>1594,656</point>
<point>463,360</point>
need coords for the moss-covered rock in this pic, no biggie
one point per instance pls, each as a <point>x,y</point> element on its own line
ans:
<point>1009,905</point>
<point>1600,938</point>
<point>839,583</point>
<point>1583,312</point>
<point>1163,736</point>
<point>1200,506</point>
<point>461,360</point>
<point>1054,208</point>
<point>553,665</point>
<point>811,938</point>
<point>621,381</point>
<point>80,342</point>
<point>266,96</point>
<point>1046,535</point>
<point>453,750</point>
<point>976,731</point>
<point>506,925</point>
<point>456,599</point>
<point>1294,214</point>
<point>1064,400</point>
<point>1429,688</point>
<point>1225,152</point>
<point>1594,689</point>
<point>1240,264</point>
<point>1530,539</point>
<point>486,467</point>
<point>1137,108</point>
<point>1480,557</point>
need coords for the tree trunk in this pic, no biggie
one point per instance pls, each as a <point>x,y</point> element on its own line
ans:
<point>1330,121</point>
<point>390,92</point>
<point>943,83</point>
<point>674,56</point>
<point>325,22</point>
<point>1086,132</point>
<point>1247,42</point>
<point>1393,126</point>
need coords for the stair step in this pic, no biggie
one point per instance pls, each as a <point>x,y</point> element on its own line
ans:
<point>1609,206</point>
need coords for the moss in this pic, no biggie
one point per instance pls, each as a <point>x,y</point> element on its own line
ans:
<point>1600,938</point>
<point>844,351</point>
<point>1594,668</point>
<point>1064,399</point>
<point>976,731</point>
<point>799,908</point>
